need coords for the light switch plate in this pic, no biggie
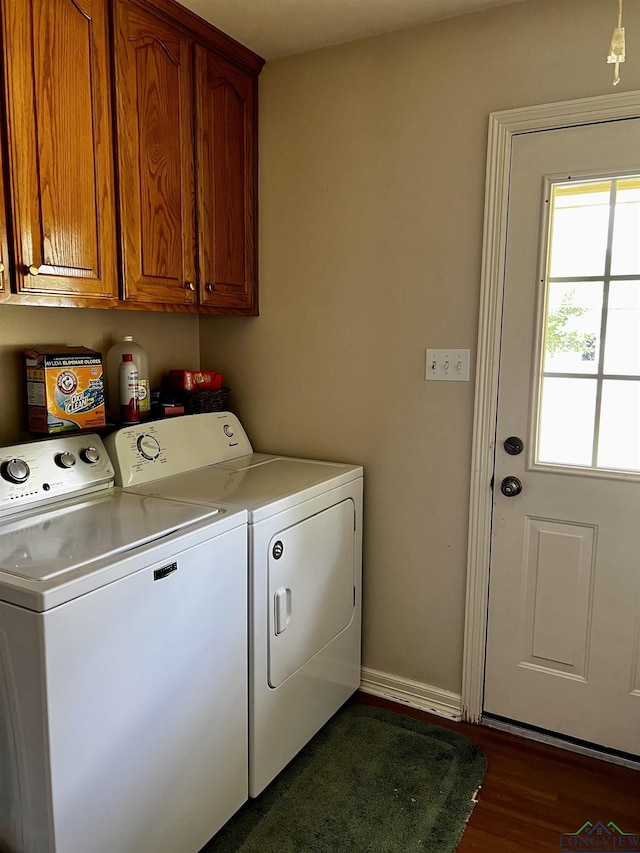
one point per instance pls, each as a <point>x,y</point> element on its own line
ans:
<point>447,365</point>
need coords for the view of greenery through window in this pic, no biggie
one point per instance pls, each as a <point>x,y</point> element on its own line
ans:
<point>589,413</point>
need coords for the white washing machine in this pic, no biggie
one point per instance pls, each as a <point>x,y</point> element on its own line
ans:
<point>305,560</point>
<point>123,655</point>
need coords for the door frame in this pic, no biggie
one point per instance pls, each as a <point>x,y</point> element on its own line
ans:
<point>503,126</point>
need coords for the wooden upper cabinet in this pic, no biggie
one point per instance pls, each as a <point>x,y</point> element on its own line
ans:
<point>60,144</point>
<point>154,80</point>
<point>183,138</point>
<point>226,184</point>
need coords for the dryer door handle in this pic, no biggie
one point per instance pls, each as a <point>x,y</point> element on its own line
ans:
<point>282,608</point>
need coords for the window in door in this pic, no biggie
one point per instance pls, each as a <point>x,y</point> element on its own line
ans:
<point>588,393</point>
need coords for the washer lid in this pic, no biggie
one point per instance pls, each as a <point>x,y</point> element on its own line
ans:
<point>43,545</point>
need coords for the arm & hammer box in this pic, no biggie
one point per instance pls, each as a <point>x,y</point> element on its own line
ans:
<point>65,388</point>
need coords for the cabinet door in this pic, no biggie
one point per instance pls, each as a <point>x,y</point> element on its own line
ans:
<point>154,68</point>
<point>59,129</point>
<point>4,244</point>
<point>227,170</point>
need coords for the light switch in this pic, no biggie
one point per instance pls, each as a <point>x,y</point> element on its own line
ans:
<point>447,365</point>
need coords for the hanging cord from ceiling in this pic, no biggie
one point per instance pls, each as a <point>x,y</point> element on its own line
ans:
<point>616,49</point>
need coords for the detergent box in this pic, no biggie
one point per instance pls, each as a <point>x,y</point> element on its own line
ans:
<point>65,388</point>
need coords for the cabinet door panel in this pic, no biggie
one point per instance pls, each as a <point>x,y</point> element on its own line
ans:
<point>226,164</point>
<point>155,155</point>
<point>60,147</point>
<point>4,243</point>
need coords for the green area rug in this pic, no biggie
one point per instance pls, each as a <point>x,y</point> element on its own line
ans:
<point>370,780</point>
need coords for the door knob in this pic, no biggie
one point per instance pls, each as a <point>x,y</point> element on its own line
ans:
<point>513,445</point>
<point>510,487</point>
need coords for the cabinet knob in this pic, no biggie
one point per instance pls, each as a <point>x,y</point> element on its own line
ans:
<point>1,267</point>
<point>33,270</point>
<point>209,288</point>
<point>190,285</point>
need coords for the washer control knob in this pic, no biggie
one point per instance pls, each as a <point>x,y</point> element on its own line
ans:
<point>65,459</point>
<point>15,470</point>
<point>148,447</point>
<point>90,455</point>
<point>227,430</point>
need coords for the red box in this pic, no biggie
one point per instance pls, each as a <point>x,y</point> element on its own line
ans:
<point>191,380</point>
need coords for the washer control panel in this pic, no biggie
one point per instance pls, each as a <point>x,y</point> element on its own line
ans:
<point>48,469</point>
<point>156,449</point>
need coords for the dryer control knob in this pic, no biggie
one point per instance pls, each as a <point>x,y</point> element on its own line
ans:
<point>148,447</point>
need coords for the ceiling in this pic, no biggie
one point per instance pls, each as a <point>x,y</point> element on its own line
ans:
<point>275,28</point>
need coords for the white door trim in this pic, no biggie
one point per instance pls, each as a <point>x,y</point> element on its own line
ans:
<point>502,127</point>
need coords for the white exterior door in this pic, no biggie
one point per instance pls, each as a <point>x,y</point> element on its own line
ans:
<point>563,642</point>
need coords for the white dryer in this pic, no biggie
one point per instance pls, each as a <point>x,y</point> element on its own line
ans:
<point>305,559</point>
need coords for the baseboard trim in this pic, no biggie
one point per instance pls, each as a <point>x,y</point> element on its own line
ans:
<point>424,697</point>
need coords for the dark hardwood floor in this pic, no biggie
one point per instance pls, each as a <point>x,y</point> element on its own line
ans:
<point>533,793</point>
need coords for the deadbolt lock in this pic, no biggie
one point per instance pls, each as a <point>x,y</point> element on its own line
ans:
<point>513,445</point>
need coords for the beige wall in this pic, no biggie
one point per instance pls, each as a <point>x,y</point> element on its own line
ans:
<point>170,340</point>
<point>372,177</point>
<point>372,180</point>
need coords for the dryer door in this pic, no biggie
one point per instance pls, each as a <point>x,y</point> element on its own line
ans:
<point>311,587</point>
